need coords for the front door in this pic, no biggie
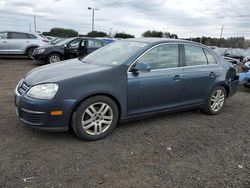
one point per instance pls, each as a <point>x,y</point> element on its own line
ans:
<point>73,48</point>
<point>159,88</point>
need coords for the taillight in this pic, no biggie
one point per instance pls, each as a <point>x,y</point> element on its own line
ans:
<point>45,40</point>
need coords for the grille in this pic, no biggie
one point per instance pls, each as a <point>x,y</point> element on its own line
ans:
<point>34,118</point>
<point>23,88</point>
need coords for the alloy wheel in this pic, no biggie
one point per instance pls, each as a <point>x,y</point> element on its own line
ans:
<point>54,59</point>
<point>97,118</point>
<point>217,100</point>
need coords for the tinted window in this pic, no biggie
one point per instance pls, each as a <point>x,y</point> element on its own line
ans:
<point>161,57</point>
<point>195,56</point>
<point>3,35</point>
<point>15,35</point>
<point>95,44</point>
<point>31,36</point>
<point>210,58</point>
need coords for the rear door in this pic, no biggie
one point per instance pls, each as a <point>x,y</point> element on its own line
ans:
<point>18,42</point>
<point>199,74</point>
<point>93,45</point>
<point>4,46</point>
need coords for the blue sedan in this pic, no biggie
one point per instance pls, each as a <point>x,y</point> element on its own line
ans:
<point>125,80</point>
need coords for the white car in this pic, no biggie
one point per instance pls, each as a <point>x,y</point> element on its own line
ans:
<point>20,43</point>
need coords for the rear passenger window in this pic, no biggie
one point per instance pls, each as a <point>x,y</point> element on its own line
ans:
<point>16,35</point>
<point>210,58</point>
<point>161,57</point>
<point>195,56</point>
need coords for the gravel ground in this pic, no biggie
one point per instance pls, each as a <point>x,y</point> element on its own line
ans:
<point>186,149</point>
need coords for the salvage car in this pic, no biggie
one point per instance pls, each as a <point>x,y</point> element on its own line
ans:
<point>125,80</point>
<point>20,43</point>
<point>67,49</point>
<point>235,53</point>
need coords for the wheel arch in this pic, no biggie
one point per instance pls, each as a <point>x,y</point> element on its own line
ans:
<point>117,102</point>
<point>55,52</point>
<point>33,46</point>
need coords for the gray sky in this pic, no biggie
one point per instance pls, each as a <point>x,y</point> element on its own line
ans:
<point>186,18</point>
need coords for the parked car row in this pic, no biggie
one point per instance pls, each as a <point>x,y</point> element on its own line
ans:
<point>48,49</point>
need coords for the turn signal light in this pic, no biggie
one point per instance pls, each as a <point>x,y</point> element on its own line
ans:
<point>56,113</point>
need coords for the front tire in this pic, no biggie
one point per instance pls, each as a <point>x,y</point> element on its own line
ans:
<point>95,118</point>
<point>215,101</point>
<point>54,58</point>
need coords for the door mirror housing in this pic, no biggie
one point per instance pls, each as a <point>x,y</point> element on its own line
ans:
<point>142,67</point>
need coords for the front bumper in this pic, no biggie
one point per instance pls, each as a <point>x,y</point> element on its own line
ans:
<point>36,113</point>
<point>40,57</point>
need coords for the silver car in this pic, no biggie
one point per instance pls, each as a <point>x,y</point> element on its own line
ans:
<point>20,43</point>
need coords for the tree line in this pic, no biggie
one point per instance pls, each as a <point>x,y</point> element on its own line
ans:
<point>233,42</point>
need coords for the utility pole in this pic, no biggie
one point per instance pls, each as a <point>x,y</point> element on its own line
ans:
<point>221,32</point>
<point>35,23</point>
<point>93,17</point>
<point>111,33</point>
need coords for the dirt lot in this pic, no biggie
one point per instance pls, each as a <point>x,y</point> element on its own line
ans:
<point>186,149</point>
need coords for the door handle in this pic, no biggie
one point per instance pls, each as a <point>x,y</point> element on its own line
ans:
<point>4,41</point>
<point>177,77</point>
<point>27,41</point>
<point>212,74</point>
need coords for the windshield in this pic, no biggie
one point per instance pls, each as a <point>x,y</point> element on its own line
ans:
<point>64,42</point>
<point>115,53</point>
<point>56,41</point>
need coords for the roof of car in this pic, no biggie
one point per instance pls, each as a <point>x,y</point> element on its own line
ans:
<point>20,31</point>
<point>153,40</point>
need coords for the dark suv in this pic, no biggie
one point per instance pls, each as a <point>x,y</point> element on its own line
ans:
<point>67,49</point>
<point>124,80</point>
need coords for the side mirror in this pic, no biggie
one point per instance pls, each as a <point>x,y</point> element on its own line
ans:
<point>142,67</point>
<point>226,54</point>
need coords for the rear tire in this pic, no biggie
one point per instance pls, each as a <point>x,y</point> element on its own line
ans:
<point>95,118</point>
<point>215,101</point>
<point>29,52</point>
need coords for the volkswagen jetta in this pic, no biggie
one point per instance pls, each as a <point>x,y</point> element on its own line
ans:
<point>125,80</point>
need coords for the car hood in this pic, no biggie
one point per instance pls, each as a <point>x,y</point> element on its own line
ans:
<point>61,71</point>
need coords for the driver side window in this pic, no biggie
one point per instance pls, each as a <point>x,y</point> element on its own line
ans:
<point>161,57</point>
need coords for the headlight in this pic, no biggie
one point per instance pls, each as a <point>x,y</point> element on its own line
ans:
<point>39,51</point>
<point>43,91</point>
